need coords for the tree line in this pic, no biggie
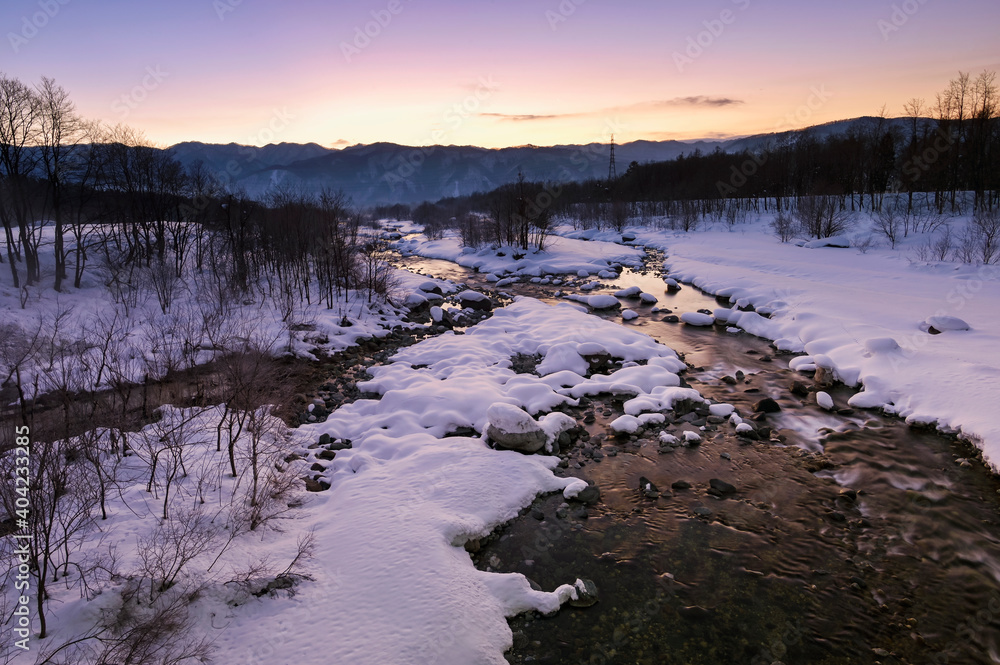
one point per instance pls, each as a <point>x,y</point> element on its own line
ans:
<point>930,156</point>
<point>104,198</point>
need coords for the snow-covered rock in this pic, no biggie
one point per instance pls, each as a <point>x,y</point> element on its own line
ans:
<point>598,301</point>
<point>629,315</point>
<point>721,410</point>
<point>475,300</point>
<point>944,324</point>
<point>835,241</point>
<point>697,319</point>
<point>692,438</point>
<point>513,428</point>
<point>824,400</point>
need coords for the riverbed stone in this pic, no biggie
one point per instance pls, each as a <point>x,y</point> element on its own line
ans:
<point>720,487</point>
<point>513,428</point>
<point>589,495</point>
<point>767,405</point>
<point>648,489</point>
<point>586,594</point>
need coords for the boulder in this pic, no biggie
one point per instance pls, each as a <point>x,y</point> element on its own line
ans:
<point>648,489</point>
<point>586,594</point>
<point>513,428</point>
<point>697,319</point>
<point>767,405</point>
<point>475,300</point>
<point>720,487</point>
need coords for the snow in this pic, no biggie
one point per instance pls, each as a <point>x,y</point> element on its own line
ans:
<point>630,292</point>
<point>597,302</point>
<point>574,488</point>
<point>841,242</point>
<point>561,256</point>
<point>509,418</point>
<point>692,437</point>
<point>697,319</point>
<point>629,424</point>
<point>945,323</point>
<point>824,400</point>
<point>629,315</point>
<point>721,410</point>
<point>838,303</point>
<point>472,296</point>
<point>197,327</point>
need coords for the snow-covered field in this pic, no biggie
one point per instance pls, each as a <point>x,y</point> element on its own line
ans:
<point>76,329</point>
<point>865,315</point>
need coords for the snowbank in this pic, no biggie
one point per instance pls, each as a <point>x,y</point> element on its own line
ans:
<point>864,316</point>
<point>562,256</point>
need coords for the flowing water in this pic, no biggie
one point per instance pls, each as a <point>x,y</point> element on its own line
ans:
<point>850,537</point>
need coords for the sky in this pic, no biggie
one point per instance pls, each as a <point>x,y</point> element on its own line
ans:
<point>492,73</point>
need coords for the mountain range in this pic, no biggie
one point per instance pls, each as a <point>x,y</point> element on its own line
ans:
<point>385,173</point>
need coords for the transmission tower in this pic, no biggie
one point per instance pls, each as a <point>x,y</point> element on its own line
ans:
<point>612,169</point>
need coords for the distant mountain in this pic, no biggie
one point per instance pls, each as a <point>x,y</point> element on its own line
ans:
<point>391,173</point>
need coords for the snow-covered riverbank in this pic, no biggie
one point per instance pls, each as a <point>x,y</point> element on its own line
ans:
<point>866,316</point>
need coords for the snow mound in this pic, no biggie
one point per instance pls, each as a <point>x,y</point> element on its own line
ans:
<point>697,319</point>
<point>945,323</point>
<point>597,302</point>
<point>630,292</point>
<point>842,242</point>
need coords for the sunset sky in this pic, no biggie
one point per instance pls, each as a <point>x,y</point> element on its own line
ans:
<point>491,72</point>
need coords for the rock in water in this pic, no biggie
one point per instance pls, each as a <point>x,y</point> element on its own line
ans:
<point>512,428</point>
<point>824,400</point>
<point>586,594</point>
<point>589,495</point>
<point>648,489</point>
<point>720,487</point>
<point>697,319</point>
<point>767,405</point>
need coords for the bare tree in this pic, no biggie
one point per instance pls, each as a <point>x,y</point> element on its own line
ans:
<point>822,216</point>
<point>60,129</point>
<point>19,133</point>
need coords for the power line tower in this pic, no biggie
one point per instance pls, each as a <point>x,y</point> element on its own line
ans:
<point>612,169</point>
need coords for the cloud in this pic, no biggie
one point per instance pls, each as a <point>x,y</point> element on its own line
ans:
<point>699,100</point>
<point>528,117</point>
<point>651,105</point>
<point>340,143</point>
